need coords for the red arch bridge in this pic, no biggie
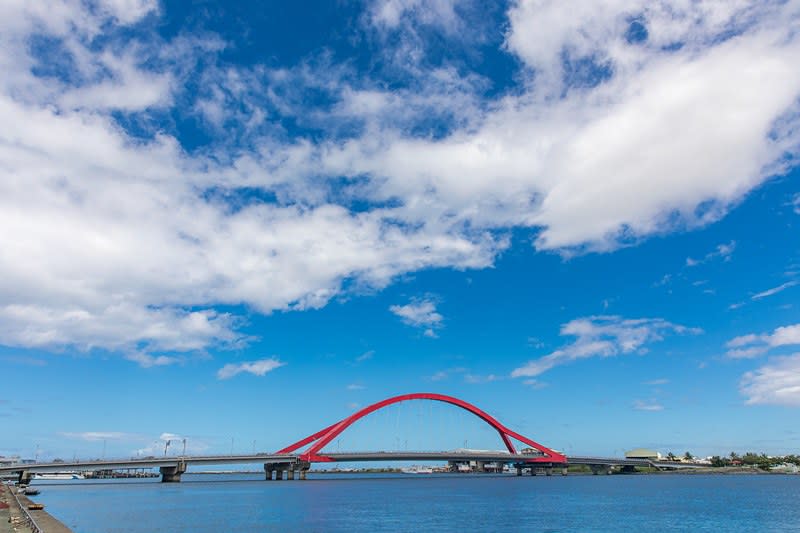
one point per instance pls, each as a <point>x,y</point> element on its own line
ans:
<point>297,458</point>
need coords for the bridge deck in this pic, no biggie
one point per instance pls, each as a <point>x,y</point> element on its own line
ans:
<point>489,456</point>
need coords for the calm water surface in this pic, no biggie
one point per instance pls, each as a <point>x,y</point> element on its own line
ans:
<point>203,503</point>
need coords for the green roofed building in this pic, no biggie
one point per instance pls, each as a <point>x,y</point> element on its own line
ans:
<point>642,453</point>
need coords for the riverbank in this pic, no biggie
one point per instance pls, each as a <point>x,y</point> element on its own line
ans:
<point>12,519</point>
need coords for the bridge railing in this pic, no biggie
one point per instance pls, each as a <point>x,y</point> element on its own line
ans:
<point>400,452</point>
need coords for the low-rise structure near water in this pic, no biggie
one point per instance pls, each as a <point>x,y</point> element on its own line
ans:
<point>643,453</point>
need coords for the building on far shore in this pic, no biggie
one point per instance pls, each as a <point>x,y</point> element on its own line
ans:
<point>643,453</point>
<point>9,461</point>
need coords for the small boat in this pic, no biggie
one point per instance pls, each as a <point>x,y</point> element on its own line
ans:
<point>30,492</point>
<point>417,470</point>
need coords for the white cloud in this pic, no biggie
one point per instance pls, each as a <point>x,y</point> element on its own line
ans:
<point>476,379</point>
<point>445,374</point>
<point>257,368</point>
<point>602,336</point>
<point>776,383</point>
<point>785,335</point>
<point>121,326</point>
<point>746,353</point>
<point>113,240</point>
<point>742,340</point>
<point>390,13</point>
<point>419,314</point>
<point>641,405</point>
<point>534,161</point>
<point>158,446</point>
<point>774,290</point>
<point>146,360</point>
<point>723,251</point>
<point>534,383</point>
<point>753,345</point>
<point>366,356</point>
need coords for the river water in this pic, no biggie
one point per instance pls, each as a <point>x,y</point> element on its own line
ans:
<point>407,502</point>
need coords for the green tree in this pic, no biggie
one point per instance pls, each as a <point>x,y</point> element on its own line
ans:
<point>688,456</point>
<point>718,461</point>
<point>671,456</point>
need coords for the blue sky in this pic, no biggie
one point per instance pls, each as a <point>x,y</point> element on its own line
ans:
<point>238,224</point>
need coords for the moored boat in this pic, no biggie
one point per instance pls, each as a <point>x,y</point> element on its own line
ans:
<point>59,475</point>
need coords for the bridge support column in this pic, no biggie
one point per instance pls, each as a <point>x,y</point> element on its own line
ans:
<point>172,474</point>
<point>548,470</point>
<point>25,478</point>
<point>519,471</point>
<point>302,468</point>
<point>600,469</point>
<point>564,471</point>
<point>533,470</point>
<point>269,469</point>
<point>290,474</point>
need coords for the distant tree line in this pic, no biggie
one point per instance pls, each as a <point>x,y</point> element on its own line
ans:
<point>753,459</point>
<point>748,459</point>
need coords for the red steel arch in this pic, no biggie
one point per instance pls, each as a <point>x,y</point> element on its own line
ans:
<point>323,437</point>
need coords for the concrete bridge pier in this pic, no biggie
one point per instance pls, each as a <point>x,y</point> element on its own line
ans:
<point>302,468</point>
<point>564,471</point>
<point>25,478</point>
<point>600,469</point>
<point>172,474</point>
<point>548,471</point>
<point>276,468</point>
<point>519,471</point>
